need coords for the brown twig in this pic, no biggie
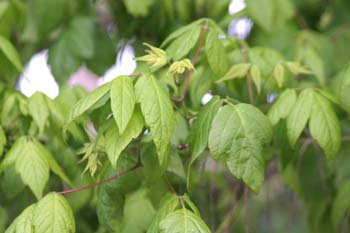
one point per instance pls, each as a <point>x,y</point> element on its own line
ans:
<point>194,61</point>
<point>244,51</point>
<point>136,166</point>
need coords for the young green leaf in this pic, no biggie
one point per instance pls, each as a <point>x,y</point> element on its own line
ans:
<point>39,110</point>
<point>88,102</point>
<point>34,168</point>
<point>10,53</point>
<point>216,54</point>
<point>342,86</point>
<point>167,205</point>
<point>122,101</point>
<point>283,105</point>
<point>278,74</point>
<point>12,155</point>
<point>237,135</point>
<point>299,115</point>
<point>296,68</point>
<point>236,71</point>
<point>324,125</point>
<point>158,113</point>
<point>184,221</point>
<point>116,142</point>
<point>53,214</point>
<point>256,76</point>
<point>182,45</point>
<point>24,222</point>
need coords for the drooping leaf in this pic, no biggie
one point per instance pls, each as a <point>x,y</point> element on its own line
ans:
<point>122,101</point>
<point>167,205</point>
<point>116,142</point>
<point>296,68</point>
<point>135,207</point>
<point>299,115</point>
<point>201,126</point>
<point>158,113</point>
<point>256,77</point>
<point>3,141</point>
<point>182,45</point>
<point>39,148</point>
<point>10,53</point>
<point>341,204</point>
<point>216,54</point>
<point>15,150</point>
<point>88,102</point>
<point>38,109</point>
<point>278,74</point>
<point>34,168</point>
<point>236,71</point>
<point>53,214</point>
<point>324,126</point>
<point>342,86</point>
<point>24,222</point>
<point>183,221</point>
<point>283,105</point>
<point>237,135</point>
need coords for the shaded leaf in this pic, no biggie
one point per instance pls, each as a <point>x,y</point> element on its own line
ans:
<point>158,113</point>
<point>216,54</point>
<point>10,53</point>
<point>283,105</point>
<point>38,109</point>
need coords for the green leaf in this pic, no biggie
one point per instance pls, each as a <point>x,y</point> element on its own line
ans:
<point>80,37</point>
<point>324,125</point>
<point>299,115</point>
<point>52,162</point>
<point>3,141</point>
<point>12,155</point>
<point>341,204</point>
<point>256,76</point>
<point>167,205</point>
<point>87,102</point>
<point>176,166</point>
<point>236,71</point>
<point>278,74</point>
<point>116,142</point>
<point>138,8</point>
<point>134,218</point>
<point>24,222</point>
<point>158,113</point>
<point>181,31</point>
<point>183,221</point>
<point>33,167</point>
<point>283,106</point>
<point>122,101</point>
<point>342,86</point>
<point>296,68</point>
<point>216,54</point>
<point>48,14</point>
<point>182,45</point>
<point>237,135</point>
<point>10,53</point>
<point>199,134</point>
<point>38,109</point>
<point>53,214</point>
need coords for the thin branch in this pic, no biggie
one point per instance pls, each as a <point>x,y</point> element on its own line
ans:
<point>116,176</point>
<point>194,61</point>
<point>244,51</point>
<point>170,186</point>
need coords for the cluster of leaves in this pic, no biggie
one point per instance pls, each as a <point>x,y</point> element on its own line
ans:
<point>146,137</point>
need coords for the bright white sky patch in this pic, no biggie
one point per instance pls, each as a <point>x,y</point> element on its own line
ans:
<point>206,98</point>
<point>236,6</point>
<point>125,65</point>
<point>241,27</point>
<point>37,76</point>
